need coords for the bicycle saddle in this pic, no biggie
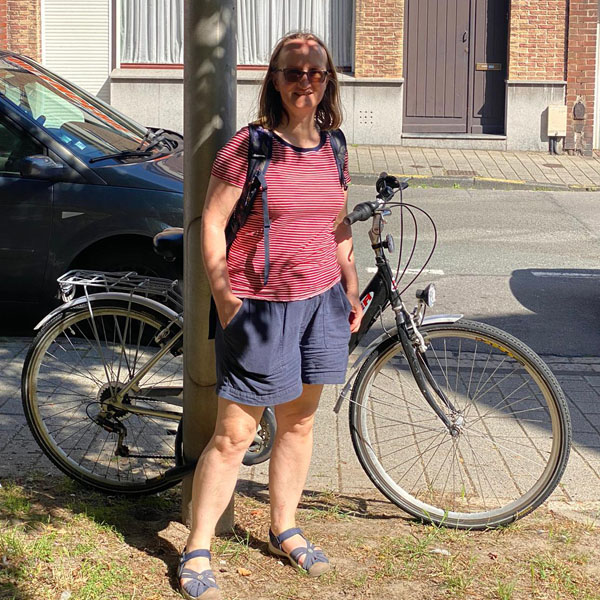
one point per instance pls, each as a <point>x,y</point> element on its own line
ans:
<point>169,243</point>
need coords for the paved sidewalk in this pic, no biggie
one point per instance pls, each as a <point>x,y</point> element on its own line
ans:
<point>335,466</point>
<point>476,168</point>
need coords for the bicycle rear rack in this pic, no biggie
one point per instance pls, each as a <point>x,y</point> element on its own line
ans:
<point>128,282</point>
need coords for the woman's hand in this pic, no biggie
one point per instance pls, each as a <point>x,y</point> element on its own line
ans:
<point>228,308</point>
<point>356,312</point>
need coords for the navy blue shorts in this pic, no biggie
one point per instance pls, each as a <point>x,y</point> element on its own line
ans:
<point>269,349</point>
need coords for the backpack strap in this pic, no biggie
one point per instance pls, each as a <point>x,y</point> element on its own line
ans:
<point>337,139</point>
<point>260,147</point>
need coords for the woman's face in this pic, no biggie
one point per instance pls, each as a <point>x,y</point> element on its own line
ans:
<point>303,96</point>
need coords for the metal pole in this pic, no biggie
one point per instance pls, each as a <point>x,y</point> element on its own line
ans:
<point>210,63</point>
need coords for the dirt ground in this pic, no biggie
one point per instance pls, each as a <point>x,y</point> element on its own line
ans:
<point>60,541</point>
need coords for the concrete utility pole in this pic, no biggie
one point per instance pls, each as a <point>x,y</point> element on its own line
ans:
<point>210,63</point>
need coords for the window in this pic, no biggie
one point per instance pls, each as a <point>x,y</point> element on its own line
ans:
<point>151,31</point>
<point>77,120</point>
<point>262,22</point>
<point>14,146</point>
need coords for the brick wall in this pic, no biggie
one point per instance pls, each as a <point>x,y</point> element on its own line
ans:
<point>21,27</point>
<point>378,41</point>
<point>581,74</point>
<point>537,37</point>
<point>3,29</point>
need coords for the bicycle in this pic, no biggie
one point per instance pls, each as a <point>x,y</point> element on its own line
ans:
<point>475,445</point>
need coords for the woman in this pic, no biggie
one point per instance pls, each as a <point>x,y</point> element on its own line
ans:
<point>277,342</point>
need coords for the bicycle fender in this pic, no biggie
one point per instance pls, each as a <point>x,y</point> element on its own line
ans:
<point>129,299</point>
<point>357,364</point>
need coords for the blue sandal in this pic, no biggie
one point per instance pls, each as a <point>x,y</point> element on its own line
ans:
<point>199,585</point>
<point>315,562</point>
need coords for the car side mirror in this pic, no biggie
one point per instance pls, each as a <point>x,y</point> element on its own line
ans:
<point>39,166</point>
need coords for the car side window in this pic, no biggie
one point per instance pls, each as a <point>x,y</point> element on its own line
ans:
<point>15,145</point>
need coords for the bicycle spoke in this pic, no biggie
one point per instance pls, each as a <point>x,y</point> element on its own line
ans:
<point>83,364</point>
<point>494,463</point>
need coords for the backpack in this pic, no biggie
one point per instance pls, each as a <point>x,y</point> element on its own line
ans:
<point>260,146</point>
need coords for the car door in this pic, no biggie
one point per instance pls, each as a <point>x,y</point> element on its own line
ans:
<point>25,215</point>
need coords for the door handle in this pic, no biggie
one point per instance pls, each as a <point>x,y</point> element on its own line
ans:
<point>465,37</point>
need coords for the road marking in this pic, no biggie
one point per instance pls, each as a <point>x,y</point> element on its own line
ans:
<point>569,275</point>
<point>67,214</point>
<point>413,271</point>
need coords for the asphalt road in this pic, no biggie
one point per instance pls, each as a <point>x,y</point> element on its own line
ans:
<point>527,262</point>
<point>524,261</point>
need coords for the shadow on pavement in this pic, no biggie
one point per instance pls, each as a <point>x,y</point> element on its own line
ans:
<point>566,310</point>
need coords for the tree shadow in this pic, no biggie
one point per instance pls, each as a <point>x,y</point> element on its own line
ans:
<point>336,504</point>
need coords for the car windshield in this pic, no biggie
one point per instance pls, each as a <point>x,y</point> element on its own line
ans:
<point>83,123</point>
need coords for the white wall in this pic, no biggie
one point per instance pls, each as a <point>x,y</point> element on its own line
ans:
<point>76,42</point>
<point>154,97</point>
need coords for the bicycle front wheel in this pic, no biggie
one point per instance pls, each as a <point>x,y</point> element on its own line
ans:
<point>511,435</point>
<point>72,372</point>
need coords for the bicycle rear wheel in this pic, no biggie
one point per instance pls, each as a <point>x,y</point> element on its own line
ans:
<point>513,427</point>
<point>71,371</point>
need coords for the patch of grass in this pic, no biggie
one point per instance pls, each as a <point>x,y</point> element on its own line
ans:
<point>13,501</point>
<point>101,577</point>
<point>456,576</point>
<point>10,591</point>
<point>100,549</point>
<point>291,593</point>
<point>82,548</point>
<point>548,571</point>
<point>233,546</point>
<point>360,581</point>
<point>12,544</point>
<point>504,590</point>
<point>333,512</point>
<point>92,527</point>
<point>562,535</point>
<point>404,555</point>
<point>43,547</point>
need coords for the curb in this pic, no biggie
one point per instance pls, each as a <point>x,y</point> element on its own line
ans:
<point>478,183</point>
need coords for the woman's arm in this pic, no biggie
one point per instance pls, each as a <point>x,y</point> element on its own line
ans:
<point>345,257</point>
<point>221,198</point>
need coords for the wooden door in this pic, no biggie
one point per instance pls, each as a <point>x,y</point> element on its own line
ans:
<point>489,22</point>
<point>455,66</point>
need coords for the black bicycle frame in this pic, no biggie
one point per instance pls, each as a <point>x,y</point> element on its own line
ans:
<point>374,299</point>
<point>376,296</point>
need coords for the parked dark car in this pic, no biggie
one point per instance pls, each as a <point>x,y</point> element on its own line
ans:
<point>81,185</point>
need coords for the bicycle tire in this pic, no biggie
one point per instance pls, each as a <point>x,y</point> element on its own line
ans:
<point>68,375</point>
<point>260,449</point>
<point>513,441</point>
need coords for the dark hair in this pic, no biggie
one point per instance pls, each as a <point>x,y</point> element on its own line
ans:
<point>271,110</point>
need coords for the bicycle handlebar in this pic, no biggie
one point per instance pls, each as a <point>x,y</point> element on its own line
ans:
<point>361,212</point>
<point>387,186</point>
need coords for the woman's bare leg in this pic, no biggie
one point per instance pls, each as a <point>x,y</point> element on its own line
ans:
<point>217,472</point>
<point>290,460</point>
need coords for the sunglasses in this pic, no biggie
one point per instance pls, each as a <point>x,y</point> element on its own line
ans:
<point>295,75</point>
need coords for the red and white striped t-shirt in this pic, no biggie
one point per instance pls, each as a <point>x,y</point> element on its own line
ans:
<point>304,198</point>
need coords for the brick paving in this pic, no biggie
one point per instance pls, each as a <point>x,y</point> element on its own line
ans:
<point>489,168</point>
<point>335,466</point>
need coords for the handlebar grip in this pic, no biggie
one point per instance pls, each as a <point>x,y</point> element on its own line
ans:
<point>361,212</point>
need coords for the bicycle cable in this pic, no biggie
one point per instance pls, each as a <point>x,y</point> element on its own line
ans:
<point>410,208</point>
